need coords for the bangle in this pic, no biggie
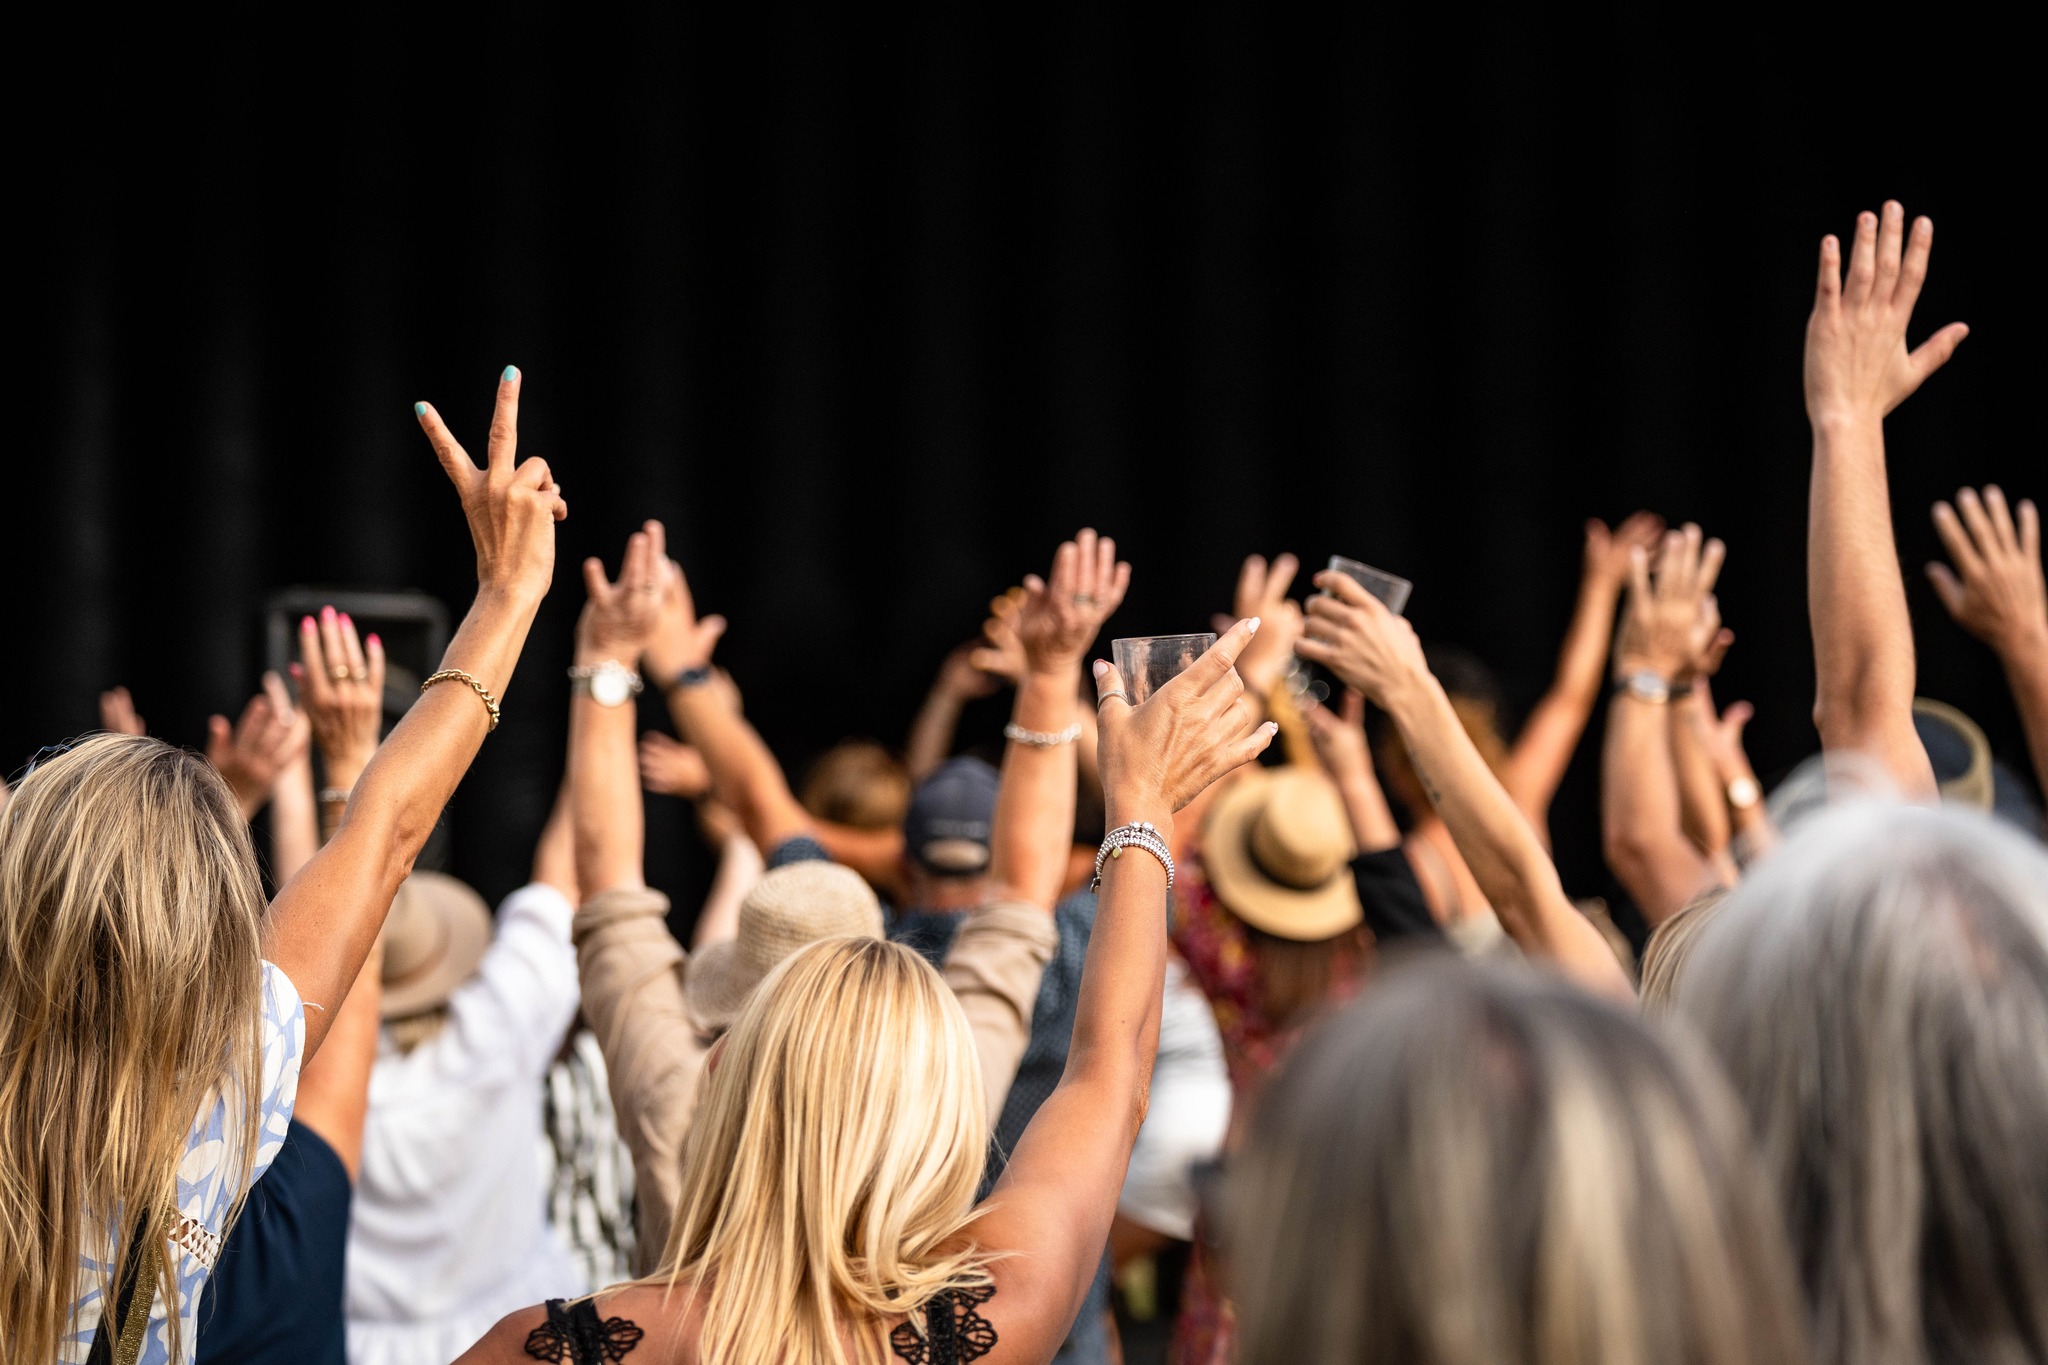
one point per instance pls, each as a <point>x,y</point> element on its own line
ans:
<point>1141,835</point>
<point>335,796</point>
<point>1042,739</point>
<point>483,693</point>
<point>1644,685</point>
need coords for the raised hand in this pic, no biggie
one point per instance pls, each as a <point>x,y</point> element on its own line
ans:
<point>270,735</point>
<point>1607,551</point>
<point>1262,592</point>
<point>669,767</point>
<point>512,507</point>
<point>1995,590</point>
<point>681,640</point>
<point>622,619</point>
<point>117,713</point>
<point>1057,621</point>
<point>1158,756</point>
<point>1673,621</point>
<point>1351,633</point>
<point>1339,737</point>
<point>341,688</point>
<point>1857,365</point>
<point>1001,654</point>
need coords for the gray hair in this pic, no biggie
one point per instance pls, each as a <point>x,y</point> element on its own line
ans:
<point>1478,1163</point>
<point>1878,993</point>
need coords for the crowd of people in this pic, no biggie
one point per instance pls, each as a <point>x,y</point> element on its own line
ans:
<point>1212,998</point>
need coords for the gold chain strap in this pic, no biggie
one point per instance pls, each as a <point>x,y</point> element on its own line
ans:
<point>457,675</point>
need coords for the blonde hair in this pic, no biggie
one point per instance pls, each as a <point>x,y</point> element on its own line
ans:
<point>858,783</point>
<point>829,1177</point>
<point>1476,1163</point>
<point>1878,993</point>
<point>130,996</point>
<point>1670,948</point>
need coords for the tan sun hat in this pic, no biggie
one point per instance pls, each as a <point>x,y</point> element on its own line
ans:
<point>1277,847</point>
<point>434,938</point>
<point>787,908</point>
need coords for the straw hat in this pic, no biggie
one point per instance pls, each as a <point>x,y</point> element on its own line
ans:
<point>788,908</point>
<point>434,938</point>
<point>1958,751</point>
<point>1277,847</point>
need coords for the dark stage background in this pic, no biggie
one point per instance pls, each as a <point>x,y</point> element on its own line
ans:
<point>872,308</point>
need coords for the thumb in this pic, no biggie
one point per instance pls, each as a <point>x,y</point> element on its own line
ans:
<point>1947,588</point>
<point>1354,706</point>
<point>1109,689</point>
<point>1933,353</point>
<point>1734,719</point>
<point>594,581</point>
<point>219,735</point>
<point>1221,622</point>
<point>712,629</point>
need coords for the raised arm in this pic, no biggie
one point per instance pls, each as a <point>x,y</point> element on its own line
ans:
<point>743,770</point>
<point>959,682</point>
<point>1058,622</point>
<point>326,918</point>
<point>1549,738</point>
<point>341,685</point>
<point>1670,620</point>
<point>1339,737</point>
<point>1857,370</point>
<point>1350,632</point>
<point>1053,1207</point>
<point>604,766</point>
<point>255,749</point>
<point>1999,597</point>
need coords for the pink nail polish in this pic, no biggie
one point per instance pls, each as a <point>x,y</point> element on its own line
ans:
<point>345,620</point>
<point>375,643</point>
<point>306,623</point>
<point>327,615</point>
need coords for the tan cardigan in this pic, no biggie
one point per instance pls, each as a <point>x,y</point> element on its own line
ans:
<point>632,975</point>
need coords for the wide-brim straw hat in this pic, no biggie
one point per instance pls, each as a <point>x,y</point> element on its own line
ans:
<point>1277,848</point>
<point>436,934</point>
<point>788,908</point>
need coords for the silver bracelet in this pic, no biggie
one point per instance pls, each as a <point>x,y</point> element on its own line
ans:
<point>1042,739</point>
<point>335,796</point>
<point>1140,835</point>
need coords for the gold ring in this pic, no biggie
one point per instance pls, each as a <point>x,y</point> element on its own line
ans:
<point>359,675</point>
<point>338,672</point>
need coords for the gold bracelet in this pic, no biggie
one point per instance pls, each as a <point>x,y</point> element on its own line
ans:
<point>457,675</point>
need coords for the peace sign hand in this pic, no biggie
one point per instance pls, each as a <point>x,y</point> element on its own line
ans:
<point>511,507</point>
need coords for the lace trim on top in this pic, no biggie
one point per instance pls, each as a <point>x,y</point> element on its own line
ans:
<point>952,1333</point>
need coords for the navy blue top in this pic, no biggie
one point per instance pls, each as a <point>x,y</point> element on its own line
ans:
<point>276,1295</point>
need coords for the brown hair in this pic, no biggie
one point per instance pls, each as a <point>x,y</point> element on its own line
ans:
<point>1479,1163</point>
<point>858,783</point>
<point>1297,978</point>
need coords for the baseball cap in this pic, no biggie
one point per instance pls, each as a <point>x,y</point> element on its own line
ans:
<point>947,829</point>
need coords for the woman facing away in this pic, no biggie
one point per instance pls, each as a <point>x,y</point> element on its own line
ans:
<point>151,1019</point>
<point>827,1210</point>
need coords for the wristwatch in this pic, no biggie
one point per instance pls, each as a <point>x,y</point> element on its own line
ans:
<point>1743,793</point>
<point>689,677</point>
<point>1644,685</point>
<point>610,683</point>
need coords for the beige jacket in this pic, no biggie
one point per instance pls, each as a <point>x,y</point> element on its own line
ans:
<point>632,974</point>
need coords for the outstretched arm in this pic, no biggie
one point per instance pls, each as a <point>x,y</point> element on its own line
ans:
<point>604,766</point>
<point>326,918</point>
<point>1352,633</point>
<point>1857,370</point>
<point>2000,598</point>
<point>1053,1207</point>
<point>1669,621</point>
<point>960,681</point>
<point>1544,748</point>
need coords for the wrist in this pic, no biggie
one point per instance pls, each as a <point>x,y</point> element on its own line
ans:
<point>2025,649</point>
<point>1138,808</point>
<point>345,770</point>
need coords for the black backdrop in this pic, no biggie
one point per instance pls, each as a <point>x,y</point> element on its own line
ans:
<point>872,307</point>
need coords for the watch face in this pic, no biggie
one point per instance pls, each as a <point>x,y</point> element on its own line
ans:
<point>610,686</point>
<point>1743,793</point>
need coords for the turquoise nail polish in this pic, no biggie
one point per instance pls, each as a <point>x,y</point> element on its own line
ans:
<point>511,373</point>
<point>419,409</point>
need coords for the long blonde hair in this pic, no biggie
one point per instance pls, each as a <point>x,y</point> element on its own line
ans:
<point>830,1175</point>
<point>130,995</point>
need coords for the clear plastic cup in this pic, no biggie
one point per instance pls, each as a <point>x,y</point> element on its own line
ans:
<point>1385,586</point>
<point>1149,662</point>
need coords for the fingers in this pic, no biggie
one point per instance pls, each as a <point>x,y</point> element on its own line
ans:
<point>375,659</point>
<point>219,741</point>
<point>1979,522</point>
<point>330,642</point>
<point>1957,541</point>
<point>280,699</point>
<point>1354,707</point>
<point>1242,751</point>
<point>318,686</point>
<point>1913,270</point>
<point>2030,531</point>
<point>1862,261</point>
<point>1827,289</point>
<point>1119,584</point>
<point>2001,518</point>
<point>1712,556</point>
<point>1221,660</point>
<point>455,461</point>
<point>503,451</point>
<point>595,584</point>
<point>1891,235</point>
<point>710,630</point>
<point>1639,572</point>
<point>1947,588</point>
<point>1347,590</point>
<point>1934,352</point>
<point>1110,697</point>
<point>1281,577</point>
<point>1641,528</point>
<point>1066,573</point>
<point>1251,585</point>
<point>352,649</point>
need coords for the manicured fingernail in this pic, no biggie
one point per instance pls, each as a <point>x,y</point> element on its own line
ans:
<point>419,409</point>
<point>295,670</point>
<point>375,643</point>
<point>1270,728</point>
<point>511,373</point>
<point>327,615</point>
<point>306,623</point>
<point>1101,667</point>
<point>1253,624</point>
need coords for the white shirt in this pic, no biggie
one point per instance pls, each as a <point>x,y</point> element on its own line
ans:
<point>449,1230</point>
<point>1189,1113</point>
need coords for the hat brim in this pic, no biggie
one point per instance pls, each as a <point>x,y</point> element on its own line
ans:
<point>716,984</point>
<point>1302,916</point>
<point>468,926</point>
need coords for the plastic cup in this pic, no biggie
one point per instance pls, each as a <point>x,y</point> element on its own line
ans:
<point>1149,662</point>
<point>1385,586</point>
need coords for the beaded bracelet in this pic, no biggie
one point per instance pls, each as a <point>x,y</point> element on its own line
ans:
<point>1142,835</point>
<point>1042,739</point>
<point>483,693</point>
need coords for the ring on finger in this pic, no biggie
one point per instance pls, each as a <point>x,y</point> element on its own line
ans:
<point>1118,693</point>
<point>359,675</point>
<point>338,672</point>
<point>1084,599</point>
